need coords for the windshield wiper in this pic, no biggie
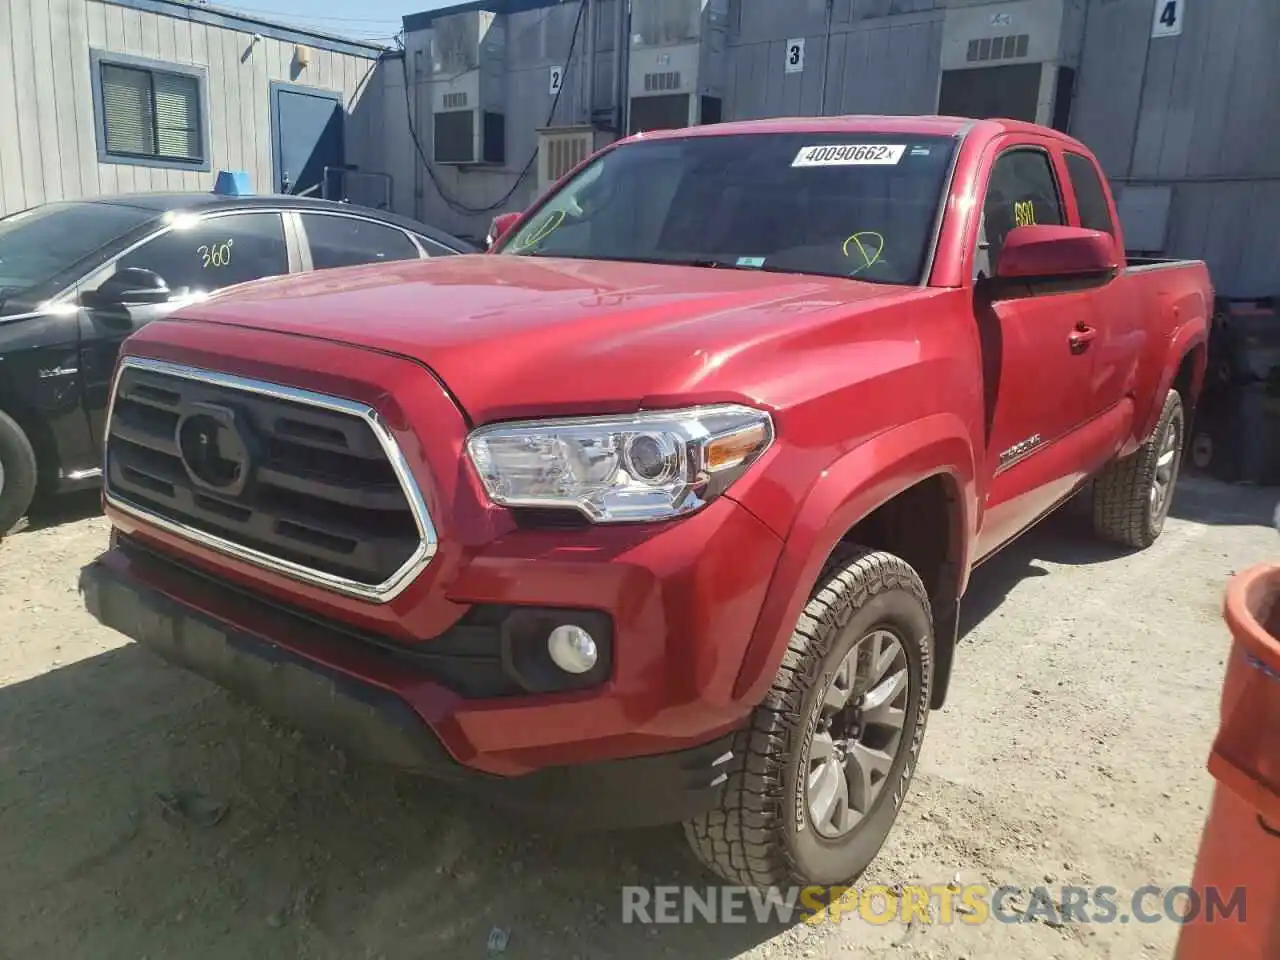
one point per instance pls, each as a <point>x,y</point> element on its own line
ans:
<point>710,263</point>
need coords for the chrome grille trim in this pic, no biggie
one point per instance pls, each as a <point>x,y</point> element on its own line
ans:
<point>378,593</point>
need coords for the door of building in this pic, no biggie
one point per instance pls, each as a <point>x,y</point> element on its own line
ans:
<point>306,137</point>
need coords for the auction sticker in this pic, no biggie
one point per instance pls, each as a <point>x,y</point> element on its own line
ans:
<point>850,154</point>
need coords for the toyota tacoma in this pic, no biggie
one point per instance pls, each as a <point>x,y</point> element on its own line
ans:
<point>663,509</point>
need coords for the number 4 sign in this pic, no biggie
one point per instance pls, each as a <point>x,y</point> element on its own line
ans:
<point>1168,18</point>
<point>795,55</point>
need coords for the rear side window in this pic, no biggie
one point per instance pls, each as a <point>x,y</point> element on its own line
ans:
<point>1090,197</point>
<point>436,249</point>
<point>1022,192</point>
<point>338,241</point>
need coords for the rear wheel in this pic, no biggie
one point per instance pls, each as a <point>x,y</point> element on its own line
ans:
<point>1132,496</point>
<point>17,473</point>
<point>818,777</point>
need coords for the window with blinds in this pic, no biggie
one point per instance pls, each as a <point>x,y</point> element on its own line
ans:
<point>151,114</point>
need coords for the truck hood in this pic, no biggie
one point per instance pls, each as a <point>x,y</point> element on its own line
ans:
<point>509,336</point>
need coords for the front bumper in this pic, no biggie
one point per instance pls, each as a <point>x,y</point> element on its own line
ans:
<point>683,599</point>
<point>357,712</point>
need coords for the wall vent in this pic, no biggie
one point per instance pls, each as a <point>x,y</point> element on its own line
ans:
<point>1009,47</point>
<point>455,101</point>
<point>559,151</point>
<point>658,82</point>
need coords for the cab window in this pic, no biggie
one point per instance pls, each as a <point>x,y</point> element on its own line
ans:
<point>1090,196</point>
<point>1022,191</point>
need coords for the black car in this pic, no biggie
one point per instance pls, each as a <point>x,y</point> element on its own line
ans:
<point>78,277</point>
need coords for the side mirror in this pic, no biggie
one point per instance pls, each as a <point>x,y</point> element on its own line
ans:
<point>500,227</point>
<point>132,285</point>
<point>1038,260</point>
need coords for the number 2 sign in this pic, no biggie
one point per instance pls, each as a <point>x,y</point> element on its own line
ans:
<point>1168,17</point>
<point>555,80</point>
<point>795,55</point>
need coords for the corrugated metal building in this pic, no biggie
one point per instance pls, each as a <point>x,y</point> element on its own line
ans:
<point>1179,98</point>
<point>107,96</point>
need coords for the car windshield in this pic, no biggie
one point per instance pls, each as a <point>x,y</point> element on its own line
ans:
<point>847,205</point>
<point>36,244</point>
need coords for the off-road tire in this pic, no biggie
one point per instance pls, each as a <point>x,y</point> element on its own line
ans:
<point>759,835</point>
<point>1122,507</point>
<point>18,486</point>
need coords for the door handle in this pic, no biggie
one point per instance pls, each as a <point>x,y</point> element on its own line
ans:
<point>1081,337</point>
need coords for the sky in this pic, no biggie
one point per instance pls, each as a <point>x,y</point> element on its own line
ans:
<point>377,20</point>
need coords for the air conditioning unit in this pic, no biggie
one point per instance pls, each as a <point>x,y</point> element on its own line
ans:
<point>975,36</point>
<point>468,115</point>
<point>677,67</point>
<point>560,149</point>
<point>1012,59</point>
<point>465,137</point>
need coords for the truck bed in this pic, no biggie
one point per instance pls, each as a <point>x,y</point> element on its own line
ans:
<point>1152,263</point>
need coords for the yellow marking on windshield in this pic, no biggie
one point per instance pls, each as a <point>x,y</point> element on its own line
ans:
<point>869,258</point>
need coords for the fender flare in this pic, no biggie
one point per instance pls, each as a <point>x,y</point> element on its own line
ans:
<point>1185,340</point>
<point>850,489</point>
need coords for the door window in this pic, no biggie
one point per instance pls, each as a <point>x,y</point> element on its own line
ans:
<point>1090,197</point>
<point>434,249</point>
<point>338,241</point>
<point>1022,192</point>
<point>216,252</point>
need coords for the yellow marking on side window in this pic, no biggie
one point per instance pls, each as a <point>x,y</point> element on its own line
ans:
<point>214,254</point>
<point>548,227</point>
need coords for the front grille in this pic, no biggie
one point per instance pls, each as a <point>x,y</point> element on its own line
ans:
<point>309,485</point>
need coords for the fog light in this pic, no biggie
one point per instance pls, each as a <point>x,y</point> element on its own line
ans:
<point>572,649</point>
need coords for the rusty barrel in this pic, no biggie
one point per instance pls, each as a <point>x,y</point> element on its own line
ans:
<point>1240,846</point>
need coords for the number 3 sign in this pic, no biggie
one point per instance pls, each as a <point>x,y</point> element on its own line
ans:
<point>795,55</point>
<point>1168,18</point>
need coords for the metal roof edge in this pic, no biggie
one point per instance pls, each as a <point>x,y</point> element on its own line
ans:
<point>424,20</point>
<point>244,23</point>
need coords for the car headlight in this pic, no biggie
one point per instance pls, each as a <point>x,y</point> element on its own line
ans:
<point>644,466</point>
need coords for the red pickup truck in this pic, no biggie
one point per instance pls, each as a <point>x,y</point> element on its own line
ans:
<point>663,509</point>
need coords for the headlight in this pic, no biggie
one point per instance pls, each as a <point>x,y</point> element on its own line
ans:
<point>644,466</point>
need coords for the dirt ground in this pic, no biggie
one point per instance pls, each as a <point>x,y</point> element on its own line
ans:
<point>144,814</point>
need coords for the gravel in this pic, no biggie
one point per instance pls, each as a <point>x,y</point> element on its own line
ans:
<point>146,814</point>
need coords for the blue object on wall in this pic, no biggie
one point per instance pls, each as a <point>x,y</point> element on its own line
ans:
<point>233,183</point>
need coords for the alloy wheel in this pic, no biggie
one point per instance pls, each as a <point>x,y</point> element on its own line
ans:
<point>1166,472</point>
<point>859,731</point>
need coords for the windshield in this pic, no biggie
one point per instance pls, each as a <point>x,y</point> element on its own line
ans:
<point>846,205</point>
<point>37,244</point>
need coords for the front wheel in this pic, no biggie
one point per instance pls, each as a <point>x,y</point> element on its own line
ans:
<point>819,775</point>
<point>17,473</point>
